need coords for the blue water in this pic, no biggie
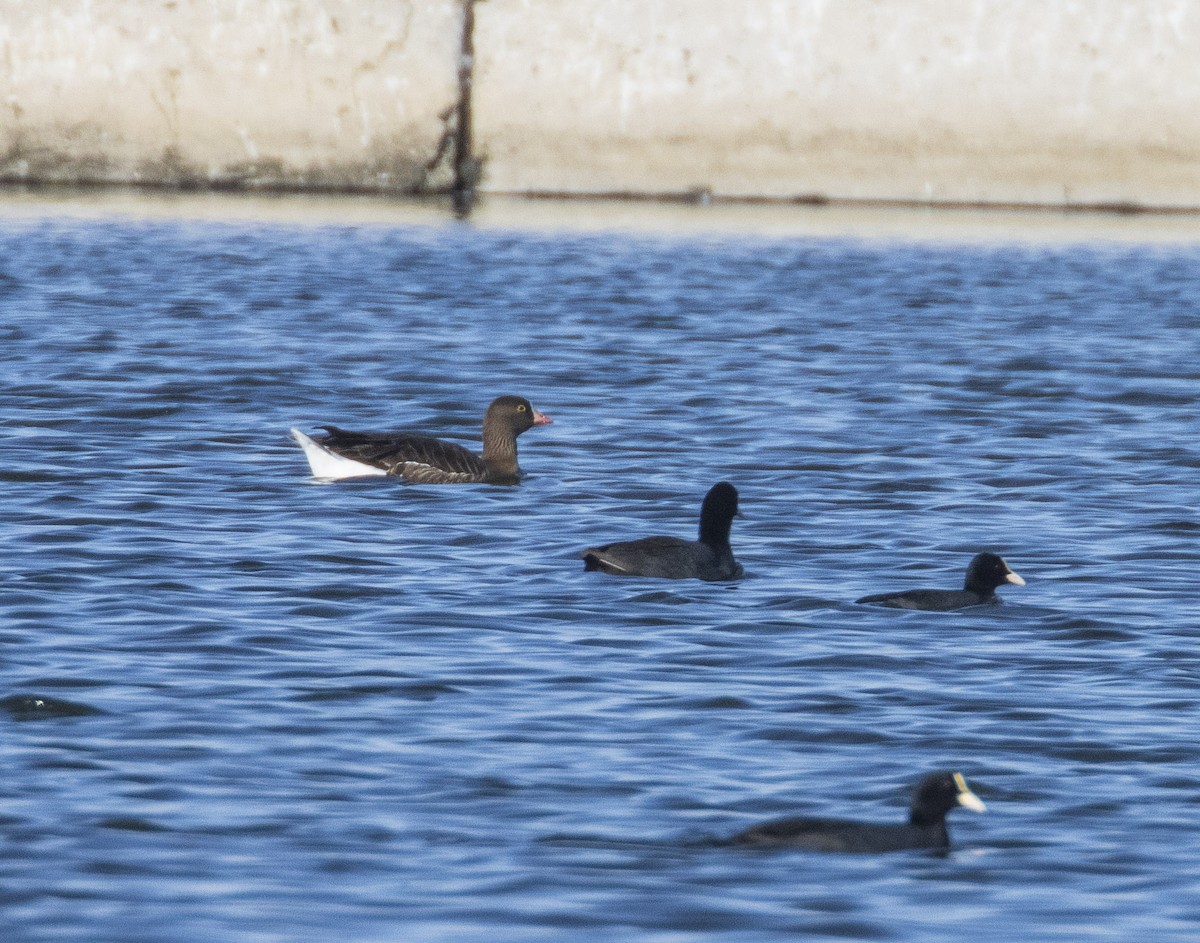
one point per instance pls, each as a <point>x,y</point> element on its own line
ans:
<point>280,710</point>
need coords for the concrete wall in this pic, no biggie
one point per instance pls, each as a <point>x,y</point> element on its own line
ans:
<point>992,100</point>
<point>324,93</point>
<point>1041,101</point>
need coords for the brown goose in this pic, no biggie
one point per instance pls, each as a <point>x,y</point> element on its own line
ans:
<point>423,459</point>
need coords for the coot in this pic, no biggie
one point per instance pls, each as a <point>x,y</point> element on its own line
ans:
<point>423,459</point>
<point>935,795</point>
<point>671,558</point>
<point>986,572</point>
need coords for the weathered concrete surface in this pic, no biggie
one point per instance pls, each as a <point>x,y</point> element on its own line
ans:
<point>1022,101</point>
<point>1025,101</point>
<point>305,93</point>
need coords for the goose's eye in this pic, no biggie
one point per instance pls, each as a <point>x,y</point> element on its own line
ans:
<point>521,409</point>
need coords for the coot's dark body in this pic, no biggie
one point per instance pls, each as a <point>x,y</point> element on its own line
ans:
<point>934,796</point>
<point>672,558</point>
<point>986,572</point>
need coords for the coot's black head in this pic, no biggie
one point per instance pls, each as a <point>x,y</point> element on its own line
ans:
<point>987,571</point>
<point>515,413</point>
<point>717,513</point>
<point>938,793</point>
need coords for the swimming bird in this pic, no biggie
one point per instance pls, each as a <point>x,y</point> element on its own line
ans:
<point>672,558</point>
<point>986,572</point>
<point>423,459</point>
<point>934,796</point>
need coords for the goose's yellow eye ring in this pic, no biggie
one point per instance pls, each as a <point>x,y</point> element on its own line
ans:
<point>521,408</point>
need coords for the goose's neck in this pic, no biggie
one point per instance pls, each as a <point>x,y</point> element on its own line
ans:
<point>499,447</point>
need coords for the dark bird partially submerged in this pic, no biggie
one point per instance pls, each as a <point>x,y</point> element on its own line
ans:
<point>672,558</point>
<point>933,798</point>
<point>423,459</point>
<point>986,572</point>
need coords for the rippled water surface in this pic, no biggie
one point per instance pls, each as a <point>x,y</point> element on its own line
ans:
<point>241,705</point>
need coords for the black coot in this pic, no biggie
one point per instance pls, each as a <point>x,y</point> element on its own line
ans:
<point>986,572</point>
<point>709,558</point>
<point>423,459</point>
<point>935,795</point>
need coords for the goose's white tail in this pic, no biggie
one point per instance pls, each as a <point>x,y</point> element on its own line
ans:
<point>329,465</point>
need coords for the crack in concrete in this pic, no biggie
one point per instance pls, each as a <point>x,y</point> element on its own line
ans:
<point>467,168</point>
